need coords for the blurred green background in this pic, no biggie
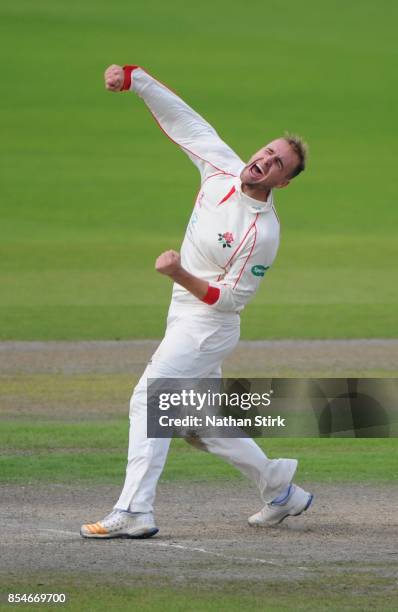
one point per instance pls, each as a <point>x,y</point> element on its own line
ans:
<point>92,191</point>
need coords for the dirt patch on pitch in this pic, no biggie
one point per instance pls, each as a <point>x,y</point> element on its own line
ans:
<point>203,535</point>
<point>257,358</point>
<point>91,380</point>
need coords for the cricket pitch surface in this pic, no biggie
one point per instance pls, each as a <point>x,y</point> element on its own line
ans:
<point>263,359</point>
<point>204,535</point>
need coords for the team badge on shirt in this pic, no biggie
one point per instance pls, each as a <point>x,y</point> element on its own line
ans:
<point>225,239</point>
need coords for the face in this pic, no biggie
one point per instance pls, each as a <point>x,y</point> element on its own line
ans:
<point>270,167</point>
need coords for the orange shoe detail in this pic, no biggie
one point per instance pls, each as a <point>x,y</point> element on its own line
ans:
<point>96,528</point>
<point>100,529</point>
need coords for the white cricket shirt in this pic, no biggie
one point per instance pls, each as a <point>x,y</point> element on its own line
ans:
<point>231,239</point>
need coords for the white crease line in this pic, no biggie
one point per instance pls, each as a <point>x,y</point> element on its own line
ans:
<point>181,547</point>
<point>210,552</point>
<point>195,549</point>
<point>217,554</point>
<point>73,533</point>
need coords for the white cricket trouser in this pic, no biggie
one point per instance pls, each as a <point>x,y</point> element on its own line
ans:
<point>194,346</point>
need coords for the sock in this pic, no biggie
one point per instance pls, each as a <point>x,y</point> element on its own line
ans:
<point>284,496</point>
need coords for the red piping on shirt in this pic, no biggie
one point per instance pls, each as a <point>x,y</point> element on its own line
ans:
<point>164,85</point>
<point>215,174</point>
<point>175,142</point>
<point>209,177</point>
<point>241,242</point>
<point>186,148</point>
<point>225,198</point>
<point>251,251</point>
<point>212,295</point>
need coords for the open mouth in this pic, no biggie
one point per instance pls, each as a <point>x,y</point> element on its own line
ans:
<point>256,171</point>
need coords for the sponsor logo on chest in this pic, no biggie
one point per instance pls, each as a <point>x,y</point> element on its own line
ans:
<point>259,270</point>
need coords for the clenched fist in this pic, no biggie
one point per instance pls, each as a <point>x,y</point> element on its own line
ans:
<point>114,77</point>
<point>168,263</point>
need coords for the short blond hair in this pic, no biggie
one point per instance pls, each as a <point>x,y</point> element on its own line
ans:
<point>300,147</point>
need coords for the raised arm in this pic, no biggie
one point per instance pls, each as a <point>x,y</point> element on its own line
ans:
<point>178,121</point>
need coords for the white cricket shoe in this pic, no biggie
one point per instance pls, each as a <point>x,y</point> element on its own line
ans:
<point>297,502</point>
<point>121,524</point>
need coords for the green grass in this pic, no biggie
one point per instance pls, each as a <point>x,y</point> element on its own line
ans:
<point>96,453</point>
<point>83,217</point>
<point>66,397</point>
<point>355,590</point>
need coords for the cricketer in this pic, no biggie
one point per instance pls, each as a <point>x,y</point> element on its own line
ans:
<point>231,240</point>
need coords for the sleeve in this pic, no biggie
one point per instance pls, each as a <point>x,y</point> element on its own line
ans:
<point>197,138</point>
<point>242,280</point>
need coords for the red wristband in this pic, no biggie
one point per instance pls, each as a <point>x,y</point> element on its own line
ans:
<point>127,77</point>
<point>212,295</point>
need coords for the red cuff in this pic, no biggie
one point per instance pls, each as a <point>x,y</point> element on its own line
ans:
<point>212,295</point>
<point>127,77</point>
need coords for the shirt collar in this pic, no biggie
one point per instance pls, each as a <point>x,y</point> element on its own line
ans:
<point>255,206</point>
